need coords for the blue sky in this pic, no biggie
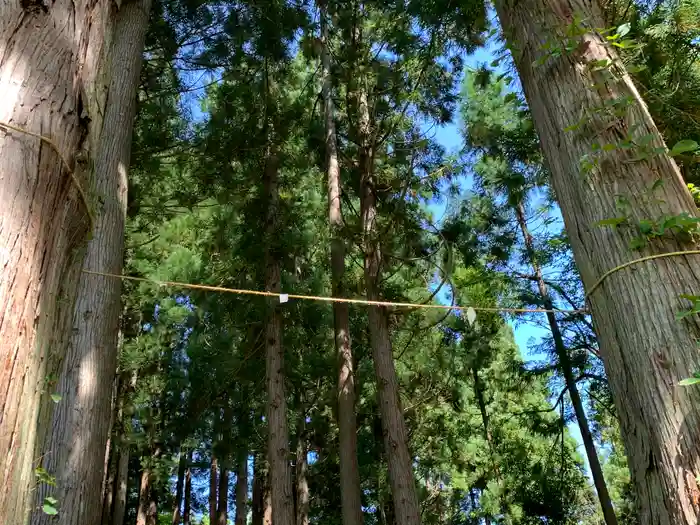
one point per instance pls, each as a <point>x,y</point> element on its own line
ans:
<point>449,136</point>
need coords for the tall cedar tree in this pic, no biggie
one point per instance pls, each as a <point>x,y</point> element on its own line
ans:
<point>645,360</point>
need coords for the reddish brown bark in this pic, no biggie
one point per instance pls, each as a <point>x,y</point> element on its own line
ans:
<point>213,488</point>
<point>222,505</point>
<point>242,490</point>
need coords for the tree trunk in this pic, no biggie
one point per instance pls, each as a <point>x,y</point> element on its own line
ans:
<point>350,494</point>
<point>110,484</point>
<point>302,470</point>
<point>403,487</point>
<point>187,511</point>
<point>80,426</point>
<point>177,504</point>
<point>222,507</point>
<point>213,499</point>
<point>645,349</point>
<point>51,79</point>
<point>258,500</point>
<point>121,487</point>
<point>242,489</point>
<point>566,368</point>
<point>278,434</point>
<point>142,513</point>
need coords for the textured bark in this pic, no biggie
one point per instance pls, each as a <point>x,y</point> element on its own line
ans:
<point>350,495</point>
<point>567,370</point>
<point>80,426</point>
<point>403,487</point>
<point>302,471</point>
<point>222,506</point>
<point>242,490</point>
<point>51,66</point>
<point>142,513</point>
<point>120,493</point>
<point>187,510</point>
<point>179,488</point>
<point>645,350</point>
<point>278,433</point>
<point>213,486</point>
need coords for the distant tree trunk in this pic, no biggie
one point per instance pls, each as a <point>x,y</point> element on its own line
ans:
<point>187,511</point>
<point>222,507</point>
<point>121,489</point>
<point>278,433</point>
<point>350,495</point>
<point>403,487</point>
<point>213,483</point>
<point>81,420</point>
<point>142,513</point>
<point>177,503</point>
<point>110,484</point>
<point>302,469</point>
<point>242,489</point>
<point>646,351</point>
<point>567,370</point>
<point>258,500</point>
<point>52,71</point>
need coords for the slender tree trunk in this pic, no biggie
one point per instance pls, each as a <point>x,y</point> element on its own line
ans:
<point>302,470</point>
<point>242,489</point>
<point>488,436</point>
<point>278,433</point>
<point>177,503</point>
<point>121,489</point>
<point>350,494</point>
<point>645,349</point>
<point>110,484</point>
<point>403,487</point>
<point>142,513</point>
<point>81,419</point>
<point>566,368</point>
<point>258,501</point>
<point>222,508</point>
<point>213,483</point>
<point>51,78</point>
<point>187,511</point>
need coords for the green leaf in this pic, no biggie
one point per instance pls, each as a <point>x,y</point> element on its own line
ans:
<point>614,221</point>
<point>636,69</point>
<point>50,500</point>
<point>56,397</point>
<point>689,297</point>
<point>689,381</point>
<point>683,146</point>
<point>49,509</point>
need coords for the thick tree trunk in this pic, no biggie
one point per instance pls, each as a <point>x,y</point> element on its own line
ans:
<point>242,489</point>
<point>51,79</point>
<point>350,495</point>
<point>222,506</point>
<point>403,487</point>
<point>567,370</point>
<point>278,433</point>
<point>645,349</point>
<point>213,486</point>
<point>187,510</point>
<point>81,419</point>
<point>302,470</point>
<point>179,487</point>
